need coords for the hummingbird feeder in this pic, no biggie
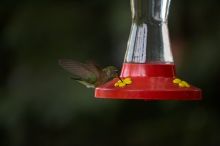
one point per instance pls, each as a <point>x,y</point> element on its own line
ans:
<point>148,70</point>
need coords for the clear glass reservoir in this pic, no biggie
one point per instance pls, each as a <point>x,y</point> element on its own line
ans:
<point>149,38</point>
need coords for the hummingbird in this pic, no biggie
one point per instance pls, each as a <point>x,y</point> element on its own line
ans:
<point>89,74</point>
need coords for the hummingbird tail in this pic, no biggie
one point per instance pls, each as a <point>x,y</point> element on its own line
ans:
<point>88,85</point>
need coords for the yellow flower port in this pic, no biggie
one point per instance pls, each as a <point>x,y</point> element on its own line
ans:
<point>124,82</point>
<point>181,83</point>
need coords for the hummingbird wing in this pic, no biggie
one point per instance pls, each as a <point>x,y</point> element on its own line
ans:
<point>101,75</point>
<point>94,68</point>
<point>84,72</point>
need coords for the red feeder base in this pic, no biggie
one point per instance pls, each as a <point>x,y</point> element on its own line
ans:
<point>149,82</point>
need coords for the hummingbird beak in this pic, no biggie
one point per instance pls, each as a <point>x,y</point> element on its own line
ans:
<point>119,78</point>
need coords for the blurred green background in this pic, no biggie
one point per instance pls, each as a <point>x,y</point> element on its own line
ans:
<point>41,106</point>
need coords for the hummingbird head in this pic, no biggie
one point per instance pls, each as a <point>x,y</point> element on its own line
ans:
<point>111,71</point>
